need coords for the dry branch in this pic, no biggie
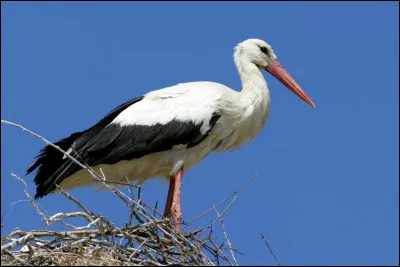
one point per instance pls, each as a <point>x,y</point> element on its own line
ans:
<point>270,249</point>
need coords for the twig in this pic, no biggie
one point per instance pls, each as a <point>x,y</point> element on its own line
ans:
<point>18,242</point>
<point>270,249</point>
<point>31,200</point>
<point>223,212</point>
<point>71,214</point>
<point>78,203</point>
<point>226,237</point>
<point>223,201</point>
<point>53,145</point>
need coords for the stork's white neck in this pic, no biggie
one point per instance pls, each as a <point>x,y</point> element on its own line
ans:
<point>254,86</point>
<point>254,100</point>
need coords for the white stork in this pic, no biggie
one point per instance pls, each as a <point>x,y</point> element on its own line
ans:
<point>166,132</point>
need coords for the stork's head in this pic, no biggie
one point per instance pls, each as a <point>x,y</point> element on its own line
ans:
<point>260,53</point>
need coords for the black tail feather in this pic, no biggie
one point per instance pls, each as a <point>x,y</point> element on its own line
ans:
<point>53,167</point>
<point>51,162</point>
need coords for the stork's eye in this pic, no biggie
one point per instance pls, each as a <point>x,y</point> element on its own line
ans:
<point>264,50</point>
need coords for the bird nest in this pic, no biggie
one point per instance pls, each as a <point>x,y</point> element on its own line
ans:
<point>147,239</point>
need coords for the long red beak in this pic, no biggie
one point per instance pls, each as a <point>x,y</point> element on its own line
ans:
<point>279,72</point>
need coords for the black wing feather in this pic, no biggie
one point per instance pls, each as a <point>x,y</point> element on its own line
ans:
<point>109,143</point>
<point>117,143</point>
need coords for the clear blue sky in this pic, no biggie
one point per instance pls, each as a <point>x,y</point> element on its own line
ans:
<point>327,186</point>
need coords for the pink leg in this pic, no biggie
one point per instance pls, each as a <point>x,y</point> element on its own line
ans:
<point>173,205</point>
<point>176,201</point>
<point>167,210</point>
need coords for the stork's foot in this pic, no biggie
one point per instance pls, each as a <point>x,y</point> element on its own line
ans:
<point>173,205</point>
